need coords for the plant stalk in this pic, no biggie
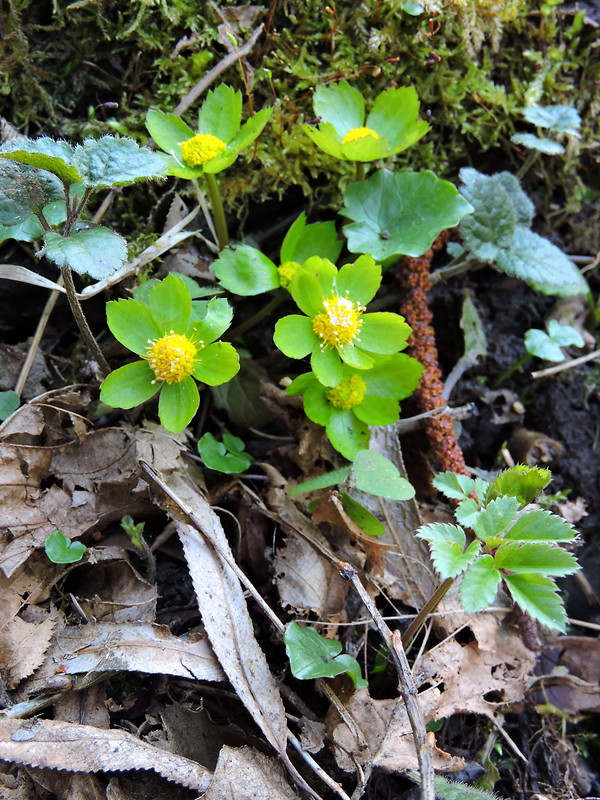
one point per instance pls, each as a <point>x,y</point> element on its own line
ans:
<point>81,321</point>
<point>360,171</point>
<point>214,195</point>
<point>273,303</point>
<point>418,622</point>
<point>508,372</point>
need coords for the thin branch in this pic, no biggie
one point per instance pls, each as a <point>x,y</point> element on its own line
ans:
<point>37,338</point>
<point>575,362</point>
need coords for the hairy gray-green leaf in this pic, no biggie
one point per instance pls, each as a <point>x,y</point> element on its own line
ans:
<point>24,191</point>
<point>45,153</point>
<point>116,162</point>
<point>96,252</point>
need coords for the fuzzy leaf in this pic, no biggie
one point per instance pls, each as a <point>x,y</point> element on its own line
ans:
<point>375,474</point>
<point>303,241</point>
<point>479,584</point>
<point>46,154</point>
<point>24,190</point>
<point>244,270</point>
<point>313,656</point>
<point>540,526</point>
<point>110,161</point>
<point>400,213</point>
<point>454,486</point>
<point>535,557</point>
<point>538,596</point>
<point>523,482</point>
<point>560,118</point>
<point>542,144</point>
<point>361,515</point>
<point>96,252</point>
<point>492,224</point>
<point>227,456</point>
<point>333,478</point>
<point>496,517</point>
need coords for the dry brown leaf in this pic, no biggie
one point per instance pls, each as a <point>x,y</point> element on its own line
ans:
<point>112,591</point>
<point>386,727</point>
<point>261,777</point>
<point>76,748</point>
<point>579,690</point>
<point>23,644</point>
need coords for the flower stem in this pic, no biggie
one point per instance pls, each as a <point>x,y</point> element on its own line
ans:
<point>82,324</point>
<point>214,195</point>
<point>360,171</point>
<point>273,303</point>
<point>507,372</point>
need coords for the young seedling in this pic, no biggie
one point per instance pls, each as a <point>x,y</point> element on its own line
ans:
<point>227,456</point>
<point>61,550</point>
<point>313,656</point>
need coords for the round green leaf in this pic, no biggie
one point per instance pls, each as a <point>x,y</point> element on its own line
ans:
<point>347,433</point>
<point>177,404</point>
<point>384,333</point>
<point>313,656</point>
<point>394,376</point>
<point>353,356</point>
<point>294,336</point>
<point>61,550</point>
<point>244,270</point>
<point>375,474</point>
<point>215,321</point>
<point>219,362</point>
<point>168,131</point>
<point>129,386</point>
<point>132,324</point>
<point>306,289</point>
<point>316,406</point>
<point>378,410</point>
<point>327,366</point>
<point>227,456</point>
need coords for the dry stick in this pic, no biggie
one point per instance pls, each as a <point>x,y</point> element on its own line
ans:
<point>575,362</point>
<point>406,685</point>
<point>214,73</point>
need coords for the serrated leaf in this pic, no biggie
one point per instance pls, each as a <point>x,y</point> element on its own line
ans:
<point>227,456</point>
<point>479,584</point>
<point>61,550</point>
<point>221,113</point>
<point>496,517</point>
<point>446,543</point>
<point>493,223</point>
<point>373,473</point>
<point>541,264</point>
<point>324,481</point>
<point>313,656</point>
<point>361,515</point>
<point>303,241</point>
<point>96,252</point>
<point>400,213</point>
<point>110,161</point>
<point>558,118</point>
<point>522,205</point>
<point>453,486</point>
<point>523,482</point>
<point>538,596</point>
<point>46,154</point>
<point>246,271</point>
<point>542,144</point>
<point>535,557</point>
<point>467,512</point>
<point>540,526</point>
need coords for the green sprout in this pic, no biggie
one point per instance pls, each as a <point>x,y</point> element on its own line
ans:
<point>227,456</point>
<point>177,347</point>
<point>343,132</point>
<point>544,345</point>
<point>313,656</point>
<point>335,329</point>
<point>361,398</point>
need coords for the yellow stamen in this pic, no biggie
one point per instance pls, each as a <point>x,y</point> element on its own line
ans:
<point>201,148</point>
<point>340,322</point>
<point>287,271</point>
<point>349,393</point>
<point>172,357</point>
<point>359,133</point>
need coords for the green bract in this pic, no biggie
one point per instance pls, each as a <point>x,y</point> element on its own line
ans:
<point>335,328</point>
<point>176,341</point>
<point>343,132</point>
<point>361,398</point>
<point>218,141</point>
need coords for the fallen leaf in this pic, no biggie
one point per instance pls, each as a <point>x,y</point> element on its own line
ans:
<point>23,644</point>
<point>260,776</point>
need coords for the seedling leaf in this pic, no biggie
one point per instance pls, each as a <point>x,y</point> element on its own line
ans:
<point>313,656</point>
<point>544,145</point>
<point>523,482</point>
<point>227,456</point>
<point>333,478</point>
<point>61,550</point>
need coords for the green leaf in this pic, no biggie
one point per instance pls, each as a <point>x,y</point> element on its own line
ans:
<point>535,557</point>
<point>454,486</point>
<point>129,386</point>
<point>250,130</point>
<point>244,270</point>
<point>523,482</point>
<point>559,118</point>
<point>9,402</point>
<point>96,252</point>
<point>541,264</point>
<point>496,517</point>
<point>544,145</point>
<point>314,656</point>
<point>378,410</point>
<point>61,550</point>
<point>375,474</point>
<point>168,131</point>
<point>394,116</point>
<point>564,335</point>
<point>44,153</point>
<point>341,106</point>
<point>110,161</point>
<point>400,213</point>
<point>219,363</point>
<point>294,336</point>
<point>447,543</point>
<point>367,148</point>
<point>227,456</point>
<point>548,345</point>
<point>479,584</point>
<point>361,515</point>
<point>132,324</point>
<point>347,433</point>
<point>355,357</point>
<point>539,596</point>
<point>333,478</point>
<point>215,321</point>
<point>303,241</point>
<point>359,281</point>
<point>308,294</point>
<point>492,224</point>
<point>467,512</point>
<point>326,365</point>
<point>171,305</point>
<point>325,139</point>
<point>316,406</point>
<point>383,332</point>
<point>177,404</point>
<point>23,191</point>
<point>395,376</point>
<point>221,113</point>
<point>540,526</point>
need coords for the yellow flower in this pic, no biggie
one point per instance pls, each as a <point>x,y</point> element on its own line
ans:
<point>347,394</point>
<point>340,323</point>
<point>172,357</point>
<point>201,148</point>
<point>359,133</point>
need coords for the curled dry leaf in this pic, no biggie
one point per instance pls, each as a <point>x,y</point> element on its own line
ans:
<point>261,777</point>
<point>83,748</point>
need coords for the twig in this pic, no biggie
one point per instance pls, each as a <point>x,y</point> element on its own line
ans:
<point>316,768</point>
<point>344,713</point>
<point>214,73</point>
<point>575,362</point>
<point>37,338</point>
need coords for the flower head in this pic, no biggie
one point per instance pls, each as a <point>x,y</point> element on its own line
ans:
<point>217,143</point>
<point>390,127</point>
<point>361,398</point>
<point>336,329</point>
<point>175,339</point>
